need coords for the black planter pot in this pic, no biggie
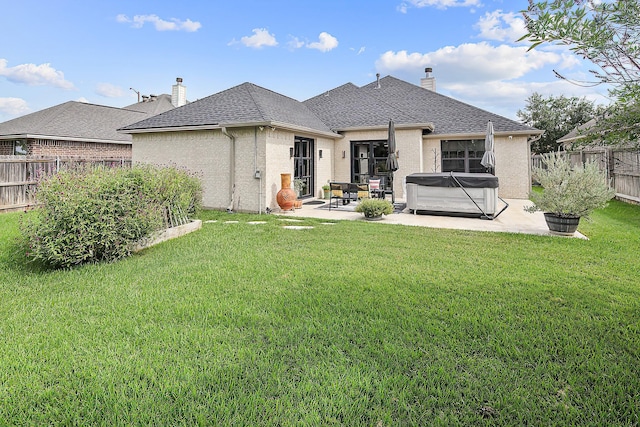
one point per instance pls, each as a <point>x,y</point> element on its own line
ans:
<point>562,224</point>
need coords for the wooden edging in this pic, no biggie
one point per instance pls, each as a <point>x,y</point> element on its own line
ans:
<point>168,234</point>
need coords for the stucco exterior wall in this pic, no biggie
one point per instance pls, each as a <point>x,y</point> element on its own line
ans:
<point>408,145</point>
<point>513,166</point>
<point>205,153</point>
<point>279,161</point>
<point>324,165</point>
<point>209,155</point>
<point>512,163</point>
<point>249,157</point>
<point>278,143</point>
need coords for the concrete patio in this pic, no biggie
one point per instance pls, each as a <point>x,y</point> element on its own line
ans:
<point>513,220</point>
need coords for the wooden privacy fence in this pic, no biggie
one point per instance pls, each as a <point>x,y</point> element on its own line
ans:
<point>20,174</point>
<point>622,167</point>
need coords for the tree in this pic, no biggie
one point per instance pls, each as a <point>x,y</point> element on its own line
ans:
<point>557,116</point>
<point>607,34</point>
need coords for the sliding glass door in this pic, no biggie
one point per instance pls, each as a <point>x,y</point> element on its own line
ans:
<point>303,165</point>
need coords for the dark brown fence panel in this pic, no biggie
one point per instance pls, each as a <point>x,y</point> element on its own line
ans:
<point>19,176</point>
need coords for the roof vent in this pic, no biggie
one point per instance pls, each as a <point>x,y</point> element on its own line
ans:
<point>377,80</point>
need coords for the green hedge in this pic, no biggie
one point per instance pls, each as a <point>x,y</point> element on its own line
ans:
<point>99,214</point>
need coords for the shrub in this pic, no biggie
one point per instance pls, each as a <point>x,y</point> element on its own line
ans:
<point>99,214</point>
<point>569,191</point>
<point>372,208</point>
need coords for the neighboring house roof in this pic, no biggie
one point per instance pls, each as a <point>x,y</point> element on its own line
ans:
<point>79,121</point>
<point>245,104</point>
<point>577,133</point>
<point>349,106</point>
<point>155,105</point>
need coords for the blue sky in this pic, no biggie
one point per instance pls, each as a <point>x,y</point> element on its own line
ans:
<point>95,51</point>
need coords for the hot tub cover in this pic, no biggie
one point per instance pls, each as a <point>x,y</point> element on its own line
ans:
<point>467,180</point>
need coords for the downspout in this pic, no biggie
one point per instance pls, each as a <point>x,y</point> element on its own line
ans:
<point>232,168</point>
<point>256,171</point>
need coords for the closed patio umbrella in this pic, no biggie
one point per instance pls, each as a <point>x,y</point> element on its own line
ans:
<point>392,157</point>
<point>488,159</point>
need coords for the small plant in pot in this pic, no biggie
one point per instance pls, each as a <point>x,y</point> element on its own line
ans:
<point>373,209</point>
<point>569,192</point>
<point>326,189</point>
<point>299,185</point>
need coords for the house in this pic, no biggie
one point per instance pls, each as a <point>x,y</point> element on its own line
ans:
<point>81,130</point>
<point>241,139</point>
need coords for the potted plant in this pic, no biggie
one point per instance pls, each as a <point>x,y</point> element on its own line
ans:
<point>373,209</point>
<point>569,192</point>
<point>299,186</point>
<point>326,188</point>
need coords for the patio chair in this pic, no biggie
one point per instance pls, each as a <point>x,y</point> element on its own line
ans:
<point>375,190</point>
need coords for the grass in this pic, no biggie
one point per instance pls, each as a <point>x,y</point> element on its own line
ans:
<point>350,324</point>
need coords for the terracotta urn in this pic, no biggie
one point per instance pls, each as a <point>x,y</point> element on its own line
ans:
<point>286,197</point>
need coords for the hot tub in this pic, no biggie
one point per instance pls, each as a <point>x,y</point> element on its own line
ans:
<point>469,194</point>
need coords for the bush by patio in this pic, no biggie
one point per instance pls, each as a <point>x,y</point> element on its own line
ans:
<point>98,214</point>
<point>374,208</point>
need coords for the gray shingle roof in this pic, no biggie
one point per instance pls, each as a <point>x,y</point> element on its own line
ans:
<point>157,105</point>
<point>345,107</point>
<point>350,107</point>
<point>76,120</point>
<point>245,103</point>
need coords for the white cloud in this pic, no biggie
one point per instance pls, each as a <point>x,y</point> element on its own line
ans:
<point>83,99</point>
<point>471,61</point>
<point>34,75</point>
<point>295,43</point>
<point>440,4</point>
<point>160,24</point>
<point>504,27</point>
<point>260,38</point>
<point>325,43</point>
<point>360,51</point>
<point>14,106</point>
<point>108,90</point>
<point>489,77</point>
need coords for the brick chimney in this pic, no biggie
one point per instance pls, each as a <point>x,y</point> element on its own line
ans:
<point>178,93</point>
<point>428,82</point>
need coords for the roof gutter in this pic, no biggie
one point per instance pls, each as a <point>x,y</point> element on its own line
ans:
<point>62,138</point>
<point>482,134</point>
<point>215,126</point>
<point>428,126</point>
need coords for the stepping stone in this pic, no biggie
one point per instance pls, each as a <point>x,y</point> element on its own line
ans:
<point>211,221</point>
<point>328,223</point>
<point>297,227</point>
<point>257,222</point>
<point>231,222</point>
<point>291,220</point>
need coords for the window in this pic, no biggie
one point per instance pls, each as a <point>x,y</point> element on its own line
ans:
<point>462,155</point>
<point>20,147</point>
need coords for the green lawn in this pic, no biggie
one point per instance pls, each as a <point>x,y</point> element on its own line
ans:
<point>353,324</point>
